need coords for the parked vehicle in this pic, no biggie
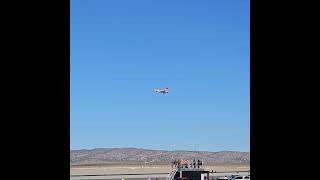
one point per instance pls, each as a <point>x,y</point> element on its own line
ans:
<point>241,177</point>
<point>224,178</point>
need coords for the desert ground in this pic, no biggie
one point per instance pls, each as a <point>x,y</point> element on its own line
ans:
<point>138,169</point>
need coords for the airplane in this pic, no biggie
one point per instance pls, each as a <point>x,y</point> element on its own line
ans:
<point>163,91</point>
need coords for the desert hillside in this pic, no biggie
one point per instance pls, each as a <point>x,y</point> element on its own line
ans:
<point>138,156</point>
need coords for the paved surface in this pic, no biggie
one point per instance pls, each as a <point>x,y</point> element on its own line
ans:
<point>119,177</point>
<point>146,176</point>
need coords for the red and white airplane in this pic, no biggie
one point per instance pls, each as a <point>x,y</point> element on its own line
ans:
<point>163,91</point>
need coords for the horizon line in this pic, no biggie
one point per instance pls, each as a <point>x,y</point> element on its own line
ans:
<point>156,149</point>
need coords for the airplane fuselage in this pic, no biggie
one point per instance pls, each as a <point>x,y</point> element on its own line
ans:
<point>163,91</point>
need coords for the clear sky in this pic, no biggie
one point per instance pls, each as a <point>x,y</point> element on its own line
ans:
<point>122,49</point>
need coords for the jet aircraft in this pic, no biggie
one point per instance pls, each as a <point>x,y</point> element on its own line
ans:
<point>163,91</point>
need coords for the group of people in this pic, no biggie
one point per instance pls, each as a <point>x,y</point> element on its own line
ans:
<point>186,164</point>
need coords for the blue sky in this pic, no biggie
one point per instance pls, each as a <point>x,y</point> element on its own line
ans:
<point>122,49</point>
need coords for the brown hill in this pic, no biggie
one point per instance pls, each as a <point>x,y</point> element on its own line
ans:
<point>135,155</point>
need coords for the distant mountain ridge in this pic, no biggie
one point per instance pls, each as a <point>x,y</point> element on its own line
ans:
<point>137,155</point>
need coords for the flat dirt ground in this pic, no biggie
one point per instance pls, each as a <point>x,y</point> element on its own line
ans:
<point>100,169</point>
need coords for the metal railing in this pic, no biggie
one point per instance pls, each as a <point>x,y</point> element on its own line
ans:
<point>171,175</point>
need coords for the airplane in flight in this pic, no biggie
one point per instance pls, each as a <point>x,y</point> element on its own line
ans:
<point>163,91</point>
